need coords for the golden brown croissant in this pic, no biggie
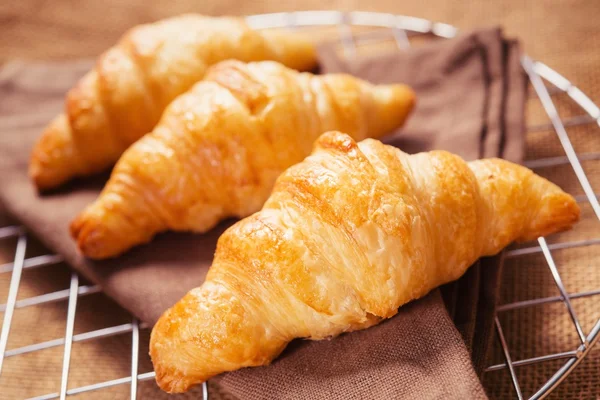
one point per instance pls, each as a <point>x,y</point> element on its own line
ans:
<point>219,148</point>
<point>123,97</point>
<point>347,236</point>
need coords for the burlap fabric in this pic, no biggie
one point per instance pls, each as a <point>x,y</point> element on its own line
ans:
<point>564,34</point>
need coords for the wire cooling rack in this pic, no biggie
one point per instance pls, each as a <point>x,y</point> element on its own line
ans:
<point>400,29</point>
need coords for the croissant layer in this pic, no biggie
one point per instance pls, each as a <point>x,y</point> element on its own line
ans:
<point>348,235</point>
<point>122,98</point>
<point>220,146</point>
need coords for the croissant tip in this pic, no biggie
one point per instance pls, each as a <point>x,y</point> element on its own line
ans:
<point>169,383</point>
<point>43,176</point>
<point>36,175</point>
<point>393,105</point>
<point>563,211</point>
<point>90,237</point>
<point>569,211</point>
<point>411,96</point>
<point>168,377</point>
<point>403,92</point>
<point>559,213</point>
<point>304,56</point>
<point>52,161</point>
<point>75,227</point>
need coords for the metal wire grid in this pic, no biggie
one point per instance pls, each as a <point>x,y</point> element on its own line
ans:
<point>400,28</point>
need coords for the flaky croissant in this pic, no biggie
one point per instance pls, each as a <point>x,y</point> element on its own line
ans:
<point>219,148</point>
<point>347,236</point>
<point>122,98</point>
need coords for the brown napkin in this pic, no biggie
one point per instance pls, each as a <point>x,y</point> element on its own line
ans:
<point>464,88</point>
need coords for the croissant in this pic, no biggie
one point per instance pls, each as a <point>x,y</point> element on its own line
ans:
<point>219,148</point>
<point>123,97</point>
<point>348,235</point>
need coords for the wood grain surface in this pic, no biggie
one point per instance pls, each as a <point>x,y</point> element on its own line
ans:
<point>563,34</point>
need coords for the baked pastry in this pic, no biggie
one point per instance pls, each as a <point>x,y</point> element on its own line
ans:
<point>348,235</point>
<point>219,148</point>
<point>123,97</point>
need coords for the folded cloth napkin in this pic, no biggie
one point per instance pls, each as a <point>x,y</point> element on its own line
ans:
<point>470,101</point>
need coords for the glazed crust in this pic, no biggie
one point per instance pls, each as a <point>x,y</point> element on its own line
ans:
<point>122,98</point>
<point>220,146</point>
<point>347,237</point>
